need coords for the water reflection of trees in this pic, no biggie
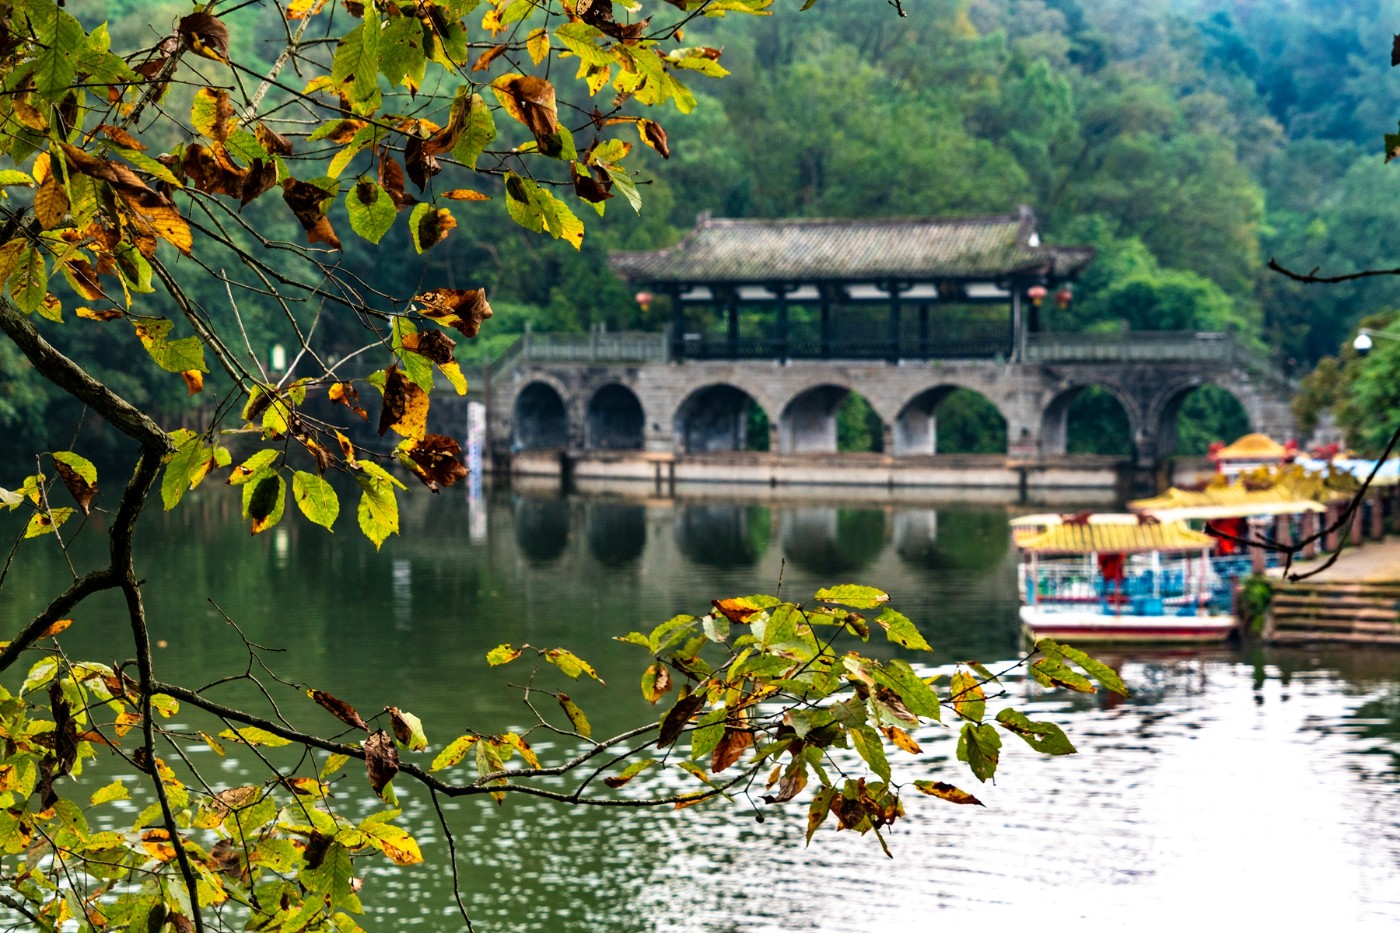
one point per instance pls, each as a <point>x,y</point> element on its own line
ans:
<point>722,535</point>
<point>950,538</point>
<point>827,541</point>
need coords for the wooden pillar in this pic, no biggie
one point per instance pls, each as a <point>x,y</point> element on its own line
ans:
<point>1310,520</point>
<point>1333,539</point>
<point>825,324</point>
<point>1283,530</point>
<point>1377,524</point>
<point>1258,557</point>
<point>677,326</point>
<point>892,334</point>
<point>732,310</point>
<point>1017,331</point>
<point>782,347</point>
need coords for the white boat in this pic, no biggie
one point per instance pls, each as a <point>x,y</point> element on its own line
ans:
<point>1118,579</point>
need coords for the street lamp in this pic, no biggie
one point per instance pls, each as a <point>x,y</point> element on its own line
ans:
<point>1365,339</point>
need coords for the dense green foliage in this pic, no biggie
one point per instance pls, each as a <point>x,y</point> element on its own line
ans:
<point>1187,141</point>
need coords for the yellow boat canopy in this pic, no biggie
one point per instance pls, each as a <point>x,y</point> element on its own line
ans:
<point>1104,538</point>
<point>1230,501</point>
<point>1252,447</point>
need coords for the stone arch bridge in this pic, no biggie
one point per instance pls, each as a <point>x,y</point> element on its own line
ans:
<point>610,392</point>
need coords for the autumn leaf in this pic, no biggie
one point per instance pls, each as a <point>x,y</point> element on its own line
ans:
<point>461,309</point>
<point>737,610</point>
<point>79,477</point>
<point>194,381</point>
<point>576,717</point>
<point>654,136</point>
<point>730,748</point>
<point>205,35</point>
<point>531,100</point>
<point>339,709</point>
<point>678,717</point>
<point>947,792</point>
<point>408,729</point>
<point>405,408</point>
<point>309,202</point>
<point>656,682</point>
<point>433,460</point>
<point>381,760</point>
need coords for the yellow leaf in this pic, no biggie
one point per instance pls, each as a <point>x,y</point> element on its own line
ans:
<point>50,203</point>
<point>538,45</point>
<point>466,194</point>
<point>194,380</point>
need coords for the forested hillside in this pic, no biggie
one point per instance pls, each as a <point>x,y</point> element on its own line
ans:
<point>1188,140</point>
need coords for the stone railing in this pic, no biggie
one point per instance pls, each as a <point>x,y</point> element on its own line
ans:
<point>1150,347</point>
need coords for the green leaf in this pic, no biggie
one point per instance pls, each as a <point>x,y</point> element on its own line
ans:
<point>872,748</point>
<point>709,729</point>
<point>780,627</point>
<point>1050,672</point>
<point>575,714</point>
<point>570,663</point>
<point>919,698</point>
<point>114,791</point>
<point>357,59</point>
<point>252,735</point>
<point>455,751</point>
<point>980,746</point>
<point>59,40</point>
<point>1105,675</point>
<point>29,283</point>
<point>502,654</point>
<point>264,500</point>
<point>40,673</point>
<point>379,507</point>
<point>965,693</point>
<point>1045,737</point>
<point>857,597</point>
<point>316,498</point>
<point>43,523</point>
<point>901,631</point>
<point>539,211</point>
<point>477,135</point>
<point>401,56</point>
<point>175,356</point>
<point>370,207</point>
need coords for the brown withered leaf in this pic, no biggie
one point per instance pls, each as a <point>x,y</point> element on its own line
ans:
<point>210,170</point>
<point>531,100</point>
<point>730,748</point>
<point>894,705</point>
<point>78,487</point>
<point>433,345</point>
<point>391,179</point>
<point>338,708</point>
<point>275,143</point>
<point>434,461</point>
<point>205,35</point>
<point>344,393</point>
<point>656,682</point>
<point>675,722</point>
<point>316,848</point>
<point>84,278</point>
<point>121,137</point>
<point>261,178</point>
<point>307,202</point>
<point>420,164</point>
<point>461,309</point>
<point>402,730</point>
<point>793,781</point>
<point>654,136</point>
<point>323,457</point>
<point>405,408</point>
<point>381,760</point>
<point>592,189</point>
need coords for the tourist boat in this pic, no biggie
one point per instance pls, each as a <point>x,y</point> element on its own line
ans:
<point>1119,579</point>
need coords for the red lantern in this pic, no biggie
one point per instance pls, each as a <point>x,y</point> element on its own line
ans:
<point>1064,296</point>
<point>1036,293</point>
<point>644,300</point>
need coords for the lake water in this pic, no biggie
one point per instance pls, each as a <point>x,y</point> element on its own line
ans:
<point>1257,786</point>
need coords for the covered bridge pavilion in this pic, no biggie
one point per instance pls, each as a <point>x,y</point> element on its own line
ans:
<point>839,289</point>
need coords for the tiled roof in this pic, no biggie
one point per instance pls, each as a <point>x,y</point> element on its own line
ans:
<point>737,251</point>
<point>1117,539</point>
<point>1253,447</point>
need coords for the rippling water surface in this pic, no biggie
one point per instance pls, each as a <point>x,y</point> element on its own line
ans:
<point>1242,787</point>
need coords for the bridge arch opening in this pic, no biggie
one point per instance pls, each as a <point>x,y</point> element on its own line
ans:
<point>1089,419</point>
<point>721,417</point>
<point>826,541</point>
<point>616,532</point>
<point>830,419</point>
<point>540,418</point>
<point>615,419</point>
<point>951,420</point>
<point>1197,416</point>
